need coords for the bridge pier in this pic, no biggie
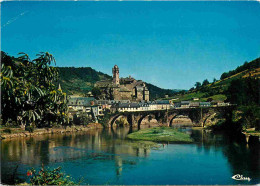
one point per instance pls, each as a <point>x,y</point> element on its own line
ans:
<point>132,120</point>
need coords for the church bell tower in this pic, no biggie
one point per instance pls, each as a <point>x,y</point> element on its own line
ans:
<point>115,72</point>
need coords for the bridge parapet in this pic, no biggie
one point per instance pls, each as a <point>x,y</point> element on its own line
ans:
<point>198,116</point>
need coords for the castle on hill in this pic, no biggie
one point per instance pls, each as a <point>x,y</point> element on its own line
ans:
<point>123,88</point>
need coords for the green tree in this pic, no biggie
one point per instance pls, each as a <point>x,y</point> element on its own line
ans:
<point>29,94</point>
<point>205,82</point>
<point>245,93</point>
<point>197,85</point>
<point>96,92</point>
<point>224,75</point>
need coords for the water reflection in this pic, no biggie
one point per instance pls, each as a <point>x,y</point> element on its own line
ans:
<point>105,156</point>
<point>100,144</point>
<point>243,158</point>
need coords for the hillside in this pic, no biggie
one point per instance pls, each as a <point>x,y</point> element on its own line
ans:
<point>79,81</point>
<point>218,90</point>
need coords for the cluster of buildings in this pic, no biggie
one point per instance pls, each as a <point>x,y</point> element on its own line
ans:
<point>122,88</point>
<point>96,108</point>
<point>126,95</point>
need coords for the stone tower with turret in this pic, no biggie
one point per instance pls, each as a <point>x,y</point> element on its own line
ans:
<point>115,72</point>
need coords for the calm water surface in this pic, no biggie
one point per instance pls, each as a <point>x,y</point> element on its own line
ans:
<point>107,157</point>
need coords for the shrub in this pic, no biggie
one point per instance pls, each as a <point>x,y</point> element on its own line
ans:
<point>29,128</point>
<point>7,131</point>
<point>49,177</point>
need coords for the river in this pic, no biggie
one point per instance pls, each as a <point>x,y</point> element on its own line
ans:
<point>105,156</point>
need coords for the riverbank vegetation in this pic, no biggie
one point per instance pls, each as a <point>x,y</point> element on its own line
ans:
<point>30,96</point>
<point>161,134</point>
<point>46,176</point>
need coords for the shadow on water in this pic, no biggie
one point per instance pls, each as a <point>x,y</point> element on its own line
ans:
<point>243,158</point>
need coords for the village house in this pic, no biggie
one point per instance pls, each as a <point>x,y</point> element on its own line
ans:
<point>162,104</point>
<point>205,104</point>
<point>81,103</point>
<point>194,104</point>
<point>185,104</point>
<point>125,107</point>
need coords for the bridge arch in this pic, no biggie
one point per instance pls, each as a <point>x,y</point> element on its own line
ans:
<point>171,118</point>
<point>114,118</point>
<point>144,116</point>
<point>174,116</point>
<point>207,117</point>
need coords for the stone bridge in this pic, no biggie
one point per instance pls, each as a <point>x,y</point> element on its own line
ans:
<point>199,116</point>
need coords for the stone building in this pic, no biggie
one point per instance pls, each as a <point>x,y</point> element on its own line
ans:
<point>123,88</point>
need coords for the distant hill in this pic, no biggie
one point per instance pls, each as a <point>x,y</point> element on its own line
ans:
<point>81,80</point>
<point>217,90</point>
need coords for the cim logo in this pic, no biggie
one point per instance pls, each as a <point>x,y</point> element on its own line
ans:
<point>240,177</point>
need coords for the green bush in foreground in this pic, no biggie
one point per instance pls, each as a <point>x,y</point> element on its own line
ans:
<point>161,134</point>
<point>49,177</point>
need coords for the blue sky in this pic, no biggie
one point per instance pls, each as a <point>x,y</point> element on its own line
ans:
<point>169,44</point>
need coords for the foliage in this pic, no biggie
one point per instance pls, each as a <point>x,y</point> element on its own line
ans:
<point>143,144</point>
<point>244,91</point>
<point>83,119</point>
<point>246,66</point>
<point>79,80</point>
<point>197,85</point>
<point>104,120</point>
<point>205,82</point>
<point>29,128</point>
<point>191,89</point>
<point>162,134</point>
<point>248,117</point>
<point>7,131</point>
<point>49,177</point>
<point>96,92</point>
<point>29,94</point>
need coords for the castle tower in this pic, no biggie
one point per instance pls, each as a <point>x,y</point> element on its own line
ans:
<point>115,72</point>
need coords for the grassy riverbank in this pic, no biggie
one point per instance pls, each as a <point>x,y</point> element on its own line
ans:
<point>162,134</point>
